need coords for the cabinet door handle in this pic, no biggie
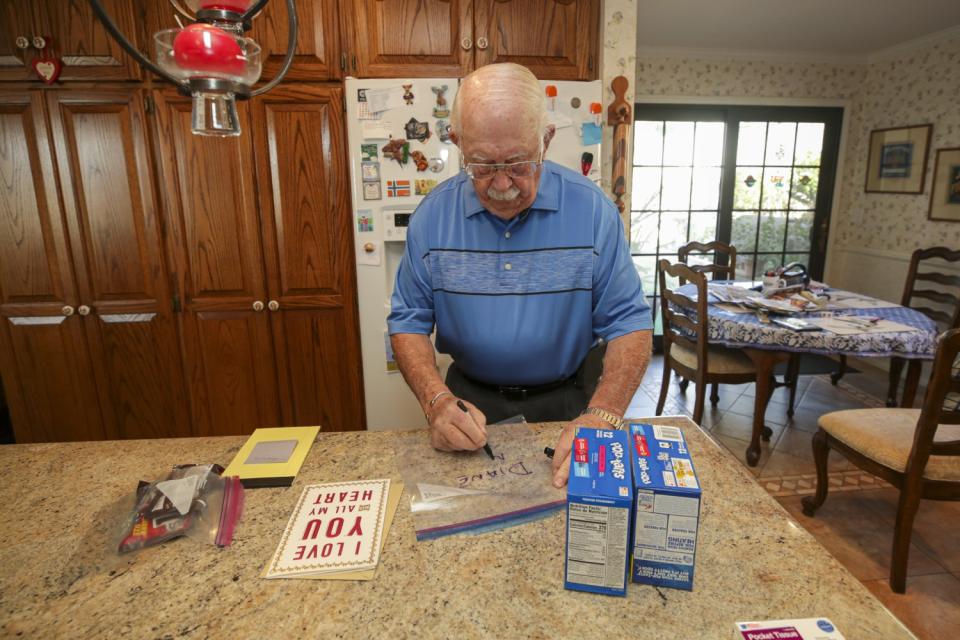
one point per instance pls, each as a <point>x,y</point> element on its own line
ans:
<point>466,43</point>
<point>482,43</point>
<point>22,42</point>
<point>39,43</point>
<point>67,310</point>
<point>83,310</point>
<point>257,305</point>
<point>273,305</point>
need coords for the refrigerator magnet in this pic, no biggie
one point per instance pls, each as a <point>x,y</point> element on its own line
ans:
<point>436,164</point>
<point>371,191</point>
<point>443,130</point>
<point>440,110</point>
<point>370,171</point>
<point>419,159</point>
<point>408,94</point>
<point>364,221</point>
<point>398,188</point>
<point>368,152</point>
<point>424,186</point>
<point>417,130</point>
<point>397,149</point>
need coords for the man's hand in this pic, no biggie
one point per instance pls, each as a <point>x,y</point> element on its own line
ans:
<point>561,455</point>
<point>452,429</point>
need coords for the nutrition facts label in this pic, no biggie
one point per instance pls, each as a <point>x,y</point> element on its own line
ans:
<point>597,545</point>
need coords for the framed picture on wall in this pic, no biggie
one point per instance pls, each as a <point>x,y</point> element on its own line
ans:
<point>945,194</point>
<point>897,161</point>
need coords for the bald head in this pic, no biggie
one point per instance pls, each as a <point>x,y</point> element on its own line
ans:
<point>507,94</point>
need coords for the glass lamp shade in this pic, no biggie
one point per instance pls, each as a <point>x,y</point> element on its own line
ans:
<point>205,51</point>
<point>214,113</point>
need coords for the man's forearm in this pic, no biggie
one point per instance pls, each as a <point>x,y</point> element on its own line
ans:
<point>624,364</point>
<point>418,363</point>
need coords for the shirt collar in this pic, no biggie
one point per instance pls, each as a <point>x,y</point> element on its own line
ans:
<point>547,194</point>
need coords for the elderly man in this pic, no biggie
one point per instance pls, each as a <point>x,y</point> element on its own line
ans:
<point>522,265</point>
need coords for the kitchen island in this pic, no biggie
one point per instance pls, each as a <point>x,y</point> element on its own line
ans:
<point>59,503</point>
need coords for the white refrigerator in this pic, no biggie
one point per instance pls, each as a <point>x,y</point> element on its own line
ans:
<point>397,133</point>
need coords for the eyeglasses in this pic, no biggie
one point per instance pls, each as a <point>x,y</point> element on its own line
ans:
<point>525,169</point>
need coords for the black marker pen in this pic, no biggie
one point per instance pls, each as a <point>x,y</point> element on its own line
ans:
<point>486,447</point>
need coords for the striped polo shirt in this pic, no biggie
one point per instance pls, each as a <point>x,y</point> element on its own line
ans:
<point>518,302</point>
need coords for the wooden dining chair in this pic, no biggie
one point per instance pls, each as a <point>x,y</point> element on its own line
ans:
<point>722,266</point>
<point>915,450</point>
<point>723,263</point>
<point>931,292</point>
<point>685,347</point>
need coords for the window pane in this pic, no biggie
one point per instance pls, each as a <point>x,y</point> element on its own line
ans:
<point>743,231</point>
<point>746,191</point>
<point>804,189</point>
<point>657,316</point>
<point>647,142</point>
<point>708,148</point>
<point>646,188</point>
<point>802,258</point>
<point>799,230</point>
<point>744,268</point>
<point>678,144</point>
<point>809,143</point>
<point>643,231</point>
<point>703,226</point>
<point>676,188</point>
<point>780,142</point>
<point>773,227</point>
<point>766,262</point>
<point>706,188</point>
<point>750,142</point>
<point>647,268</point>
<point>776,188</point>
<point>673,232</point>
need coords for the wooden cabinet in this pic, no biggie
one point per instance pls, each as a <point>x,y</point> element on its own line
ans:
<point>556,39</point>
<point>318,41</point>
<point>88,347</point>
<point>106,179</point>
<point>268,293</point>
<point>304,188</point>
<point>73,34</point>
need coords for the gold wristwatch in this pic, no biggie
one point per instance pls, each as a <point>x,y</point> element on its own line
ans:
<point>612,419</point>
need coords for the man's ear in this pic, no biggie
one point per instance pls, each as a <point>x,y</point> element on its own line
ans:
<point>548,136</point>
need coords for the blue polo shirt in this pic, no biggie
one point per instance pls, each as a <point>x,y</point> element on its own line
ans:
<point>518,302</point>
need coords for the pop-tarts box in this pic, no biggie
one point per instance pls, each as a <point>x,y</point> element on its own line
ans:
<point>599,500</point>
<point>800,629</point>
<point>667,507</point>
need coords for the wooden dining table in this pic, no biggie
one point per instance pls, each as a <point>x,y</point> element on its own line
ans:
<point>768,344</point>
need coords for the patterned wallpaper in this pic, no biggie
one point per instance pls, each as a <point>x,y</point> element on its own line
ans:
<point>917,87</point>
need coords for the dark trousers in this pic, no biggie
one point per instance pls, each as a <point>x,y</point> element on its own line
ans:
<point>556,405</point>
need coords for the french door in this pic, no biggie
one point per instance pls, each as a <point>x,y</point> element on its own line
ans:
<point>758,178</point>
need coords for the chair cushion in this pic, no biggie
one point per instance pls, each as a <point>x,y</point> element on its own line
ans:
<point>719,359</point>
<point>886,436</point>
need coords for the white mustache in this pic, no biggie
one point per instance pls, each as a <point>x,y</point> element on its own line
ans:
<point>503,196</point>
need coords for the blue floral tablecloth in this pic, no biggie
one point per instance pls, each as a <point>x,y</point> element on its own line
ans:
<point>746,330</point>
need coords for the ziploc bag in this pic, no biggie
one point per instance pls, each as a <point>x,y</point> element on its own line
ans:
<point>467,492</point>
<point>193,500</point>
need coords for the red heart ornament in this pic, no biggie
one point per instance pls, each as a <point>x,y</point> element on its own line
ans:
<point>48,69</point>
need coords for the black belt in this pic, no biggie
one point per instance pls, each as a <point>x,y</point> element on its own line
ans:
<point>521,392</point>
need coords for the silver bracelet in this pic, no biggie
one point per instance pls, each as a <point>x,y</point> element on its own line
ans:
<point>434,399</point>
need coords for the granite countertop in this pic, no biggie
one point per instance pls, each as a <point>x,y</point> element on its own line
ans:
<point>57,501</point>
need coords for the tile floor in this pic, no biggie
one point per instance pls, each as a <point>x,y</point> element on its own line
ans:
<point>856,522</point>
